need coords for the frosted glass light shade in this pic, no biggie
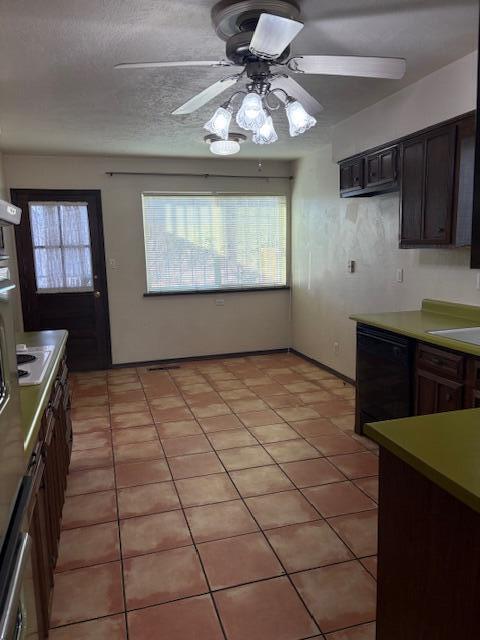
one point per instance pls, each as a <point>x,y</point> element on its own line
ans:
<point>266,134</point>
<point>225,147</point>
<point>273,35</point>
<point>298,119</point>
<point>219,123</point>
<point>251,115</point>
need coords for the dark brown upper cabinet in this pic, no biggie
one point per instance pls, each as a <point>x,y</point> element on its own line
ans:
<point>352,176</point>
<point>370,174</point>
<point>381,168</point>
<point>436,193</point>
<point>434,171</point>
<point>475,257</point>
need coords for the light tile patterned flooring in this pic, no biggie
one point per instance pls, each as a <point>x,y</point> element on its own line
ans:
<point>226,499</point>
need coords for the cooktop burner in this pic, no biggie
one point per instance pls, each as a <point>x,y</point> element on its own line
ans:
<point>23,358</point>
<point>22,373</point>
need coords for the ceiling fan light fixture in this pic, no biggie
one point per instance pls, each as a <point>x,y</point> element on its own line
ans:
<point>298,119</point>
<point>251,115</point>
<point>266,134</point>
<point>225,147</point>
<point>219,123</point>
<point>228,147</point>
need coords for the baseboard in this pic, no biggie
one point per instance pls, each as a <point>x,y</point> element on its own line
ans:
<point>320,365</point>
<point>215,356</point>
<point>237,354</point>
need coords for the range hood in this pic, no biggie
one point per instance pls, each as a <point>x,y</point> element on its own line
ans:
<point>9,213</point>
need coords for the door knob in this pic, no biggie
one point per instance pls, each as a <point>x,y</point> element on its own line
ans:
<point>97,294</point>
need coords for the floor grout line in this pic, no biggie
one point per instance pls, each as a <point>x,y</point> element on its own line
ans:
<point>198,554</point>
<point>227,472</point>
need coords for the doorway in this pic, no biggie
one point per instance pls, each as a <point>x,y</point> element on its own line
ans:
<point>61,261</point>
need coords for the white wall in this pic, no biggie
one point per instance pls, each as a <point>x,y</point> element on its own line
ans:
<point>164,327</point>
<point>327,231</point>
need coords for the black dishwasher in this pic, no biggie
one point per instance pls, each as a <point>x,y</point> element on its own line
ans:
<point>384,376</point>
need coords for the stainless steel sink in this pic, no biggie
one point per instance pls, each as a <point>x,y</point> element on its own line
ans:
<point>471,335</point>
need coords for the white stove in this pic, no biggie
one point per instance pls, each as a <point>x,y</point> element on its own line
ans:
<point>32,363</point>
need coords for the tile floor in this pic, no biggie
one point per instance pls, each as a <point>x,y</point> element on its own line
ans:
<point>224,499</point>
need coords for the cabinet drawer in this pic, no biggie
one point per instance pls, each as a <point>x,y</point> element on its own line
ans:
<point>444,363</point>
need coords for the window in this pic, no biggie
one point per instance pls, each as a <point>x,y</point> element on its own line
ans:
<point>61,246</point>
<point>206,242</point>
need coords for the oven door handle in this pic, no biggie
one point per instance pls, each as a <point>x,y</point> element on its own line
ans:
<point>8,617</point>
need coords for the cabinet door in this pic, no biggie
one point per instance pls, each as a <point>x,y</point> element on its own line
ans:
<point>42,568</point>
<point>351,176</point>
<point>464,181</point>
<point>425,394</point>
<point>449,396</point>
<point>436,395</point>
<point>472,393</point>
<point>413,152</point>
<point>381,168</point>
<point>476,400</point>
<point>439,174</point>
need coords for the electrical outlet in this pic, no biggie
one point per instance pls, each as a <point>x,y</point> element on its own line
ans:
<point>112,262</point>
<point>478,281</point>
<point>399,275</point>
<point>219,302</point>
<point>336,348</point>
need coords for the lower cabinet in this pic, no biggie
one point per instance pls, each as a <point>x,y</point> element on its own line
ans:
<point>48,469</point>
<point>435,395</point>
<point>391,383</point>
<point>445,380</point>
<point>472,396</point>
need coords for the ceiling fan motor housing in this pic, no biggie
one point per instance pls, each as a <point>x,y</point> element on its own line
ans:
<point>235,22</point>
<point>237,49</point>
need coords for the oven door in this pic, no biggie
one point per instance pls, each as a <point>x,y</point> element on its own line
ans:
<point>14,619</point>
<point>15,561</point>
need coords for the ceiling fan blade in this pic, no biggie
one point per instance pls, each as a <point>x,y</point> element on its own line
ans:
<point>362,66</point>
<point>290,86</point>
<point>206,95</point>
<point>184,63</point>
<point>273,35</point>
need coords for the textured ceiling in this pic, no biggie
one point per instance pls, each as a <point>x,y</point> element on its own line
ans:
<point>59,92</point>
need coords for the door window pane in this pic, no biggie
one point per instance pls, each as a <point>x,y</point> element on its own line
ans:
<point>45,225</point>
<point>61,246</point>
<point>48,268</point>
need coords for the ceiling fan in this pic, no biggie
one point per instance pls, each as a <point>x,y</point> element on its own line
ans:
<point>258,34</point>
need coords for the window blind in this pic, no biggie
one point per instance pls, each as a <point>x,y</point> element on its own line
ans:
<point>207,242</point>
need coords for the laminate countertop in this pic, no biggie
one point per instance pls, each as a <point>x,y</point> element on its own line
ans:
<point>34,398</point>
<point>434,315</point>
<point>444,447</point>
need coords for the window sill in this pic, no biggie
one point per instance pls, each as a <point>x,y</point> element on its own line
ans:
<point>214,291</point>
